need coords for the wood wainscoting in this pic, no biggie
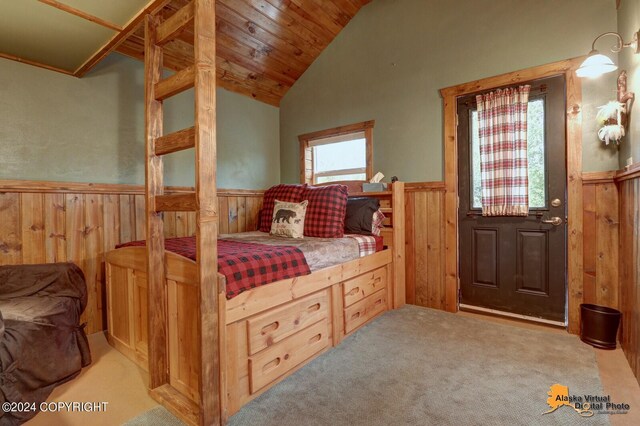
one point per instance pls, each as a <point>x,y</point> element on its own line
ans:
<point>44,222</point>
<point>424,239</point>
<point>601,225</point>
<point>629,271</point>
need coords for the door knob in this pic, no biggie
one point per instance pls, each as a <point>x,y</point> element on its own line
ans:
<point>555,221</point>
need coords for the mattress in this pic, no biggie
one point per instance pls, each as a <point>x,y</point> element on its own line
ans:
<point>319,252</point>
<point>253,259</point>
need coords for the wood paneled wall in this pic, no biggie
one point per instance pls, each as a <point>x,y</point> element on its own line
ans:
<point>600,240</point>
<point>424,239</point>
<point>425,224</point>
<point>43,222</point>
<point>629,273</point>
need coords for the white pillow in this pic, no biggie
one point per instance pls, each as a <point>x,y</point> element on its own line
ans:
<point>288,219</point>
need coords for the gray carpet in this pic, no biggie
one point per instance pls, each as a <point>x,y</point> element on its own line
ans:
<point>158,416</point>
<point>419,366</point>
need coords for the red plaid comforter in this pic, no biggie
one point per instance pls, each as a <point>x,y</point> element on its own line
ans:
<point>245,265</point>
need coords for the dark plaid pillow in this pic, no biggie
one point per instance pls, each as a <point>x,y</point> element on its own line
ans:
<point>326,211</point>
<point>282,192</point>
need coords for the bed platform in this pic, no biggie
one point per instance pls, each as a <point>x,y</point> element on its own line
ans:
<point>269,332</point>
<point>207,356</point>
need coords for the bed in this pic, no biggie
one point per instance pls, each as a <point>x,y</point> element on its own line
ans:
<point>269,331</point>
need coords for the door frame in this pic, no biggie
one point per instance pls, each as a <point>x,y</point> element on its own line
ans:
<point>573,137</point>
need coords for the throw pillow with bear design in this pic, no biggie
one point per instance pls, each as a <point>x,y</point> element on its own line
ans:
<point>288,219</point>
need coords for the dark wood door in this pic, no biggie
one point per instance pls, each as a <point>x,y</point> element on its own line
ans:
<point>517,264</point>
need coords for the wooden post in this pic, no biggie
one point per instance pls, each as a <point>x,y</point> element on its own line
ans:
<point>154,187</point>
<point>399,273</point>
<point>211,325</point>
<point>207,211</point>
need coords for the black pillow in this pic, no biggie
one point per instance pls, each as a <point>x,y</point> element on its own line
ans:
<point>360,214</point>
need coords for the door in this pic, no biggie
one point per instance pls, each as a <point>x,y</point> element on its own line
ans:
<point>517,264</point>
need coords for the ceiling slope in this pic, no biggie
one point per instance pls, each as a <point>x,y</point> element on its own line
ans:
<point>263,46</point>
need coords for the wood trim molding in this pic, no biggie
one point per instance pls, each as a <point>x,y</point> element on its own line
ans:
<point>337,131</point>
<point>424,186</point>
<point>53,187</point>
<point>516,77</point>
<point>105,188</point>
<point>574,174</point>
<point>151,8</point>
<point>79,13</point>
<point>306,152</point>
<point>589,178</point>
<point>34,63</point>
<point>633,172</point>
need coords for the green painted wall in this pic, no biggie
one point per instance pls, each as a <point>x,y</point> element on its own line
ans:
<point>60,128</point>
<point>391,59</point>
<point>629,23</point>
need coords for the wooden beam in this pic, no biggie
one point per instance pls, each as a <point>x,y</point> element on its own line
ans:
<point>34,63</point>
<point>178,82</point>
<point>79,13</point>
<point>176,203</point>
<point>152,7</point>
<point>174,25</point>
<point>156,294</point>
<point>212,348</point>
<point>176,141</point>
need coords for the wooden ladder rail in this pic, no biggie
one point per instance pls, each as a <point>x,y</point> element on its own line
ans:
<point>202,77</point>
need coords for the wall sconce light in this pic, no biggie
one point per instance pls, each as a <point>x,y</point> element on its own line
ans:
<point>597,64</point>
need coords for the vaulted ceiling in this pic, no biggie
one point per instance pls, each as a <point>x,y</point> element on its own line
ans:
<point>263,46</point>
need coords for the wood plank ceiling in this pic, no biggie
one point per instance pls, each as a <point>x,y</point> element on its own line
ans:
<point>263,46</point>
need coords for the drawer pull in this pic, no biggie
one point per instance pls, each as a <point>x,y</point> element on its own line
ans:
<point>353,292</point>
<point>379,301</point>
<point>270,328</point>
<point>271,365</point>
<point>315,338</point>
<point>356,315</point>
<point>314,307</point>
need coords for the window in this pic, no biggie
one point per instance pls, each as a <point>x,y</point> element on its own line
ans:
<point>339,154</point>
<point>535,155</point>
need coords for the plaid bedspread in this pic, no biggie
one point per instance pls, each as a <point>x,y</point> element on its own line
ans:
<point>245,265</point>
<point>368,244</point>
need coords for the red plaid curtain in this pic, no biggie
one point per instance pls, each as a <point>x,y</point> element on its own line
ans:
<point>502,117</point>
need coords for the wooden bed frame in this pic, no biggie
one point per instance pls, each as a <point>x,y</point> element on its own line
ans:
<point>205,356</point>
<point>268,332</point>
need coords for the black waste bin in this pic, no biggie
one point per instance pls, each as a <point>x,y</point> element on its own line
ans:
<point>599,325</point>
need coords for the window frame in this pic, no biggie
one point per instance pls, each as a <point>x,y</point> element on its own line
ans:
<point>307,173</point>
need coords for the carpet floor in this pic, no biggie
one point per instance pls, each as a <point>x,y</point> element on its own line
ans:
<point>418,366</point>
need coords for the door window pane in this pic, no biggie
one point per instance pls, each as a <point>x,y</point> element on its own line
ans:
<point>535,155</point>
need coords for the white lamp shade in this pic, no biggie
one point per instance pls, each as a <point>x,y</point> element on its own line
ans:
<point>596,65</point>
